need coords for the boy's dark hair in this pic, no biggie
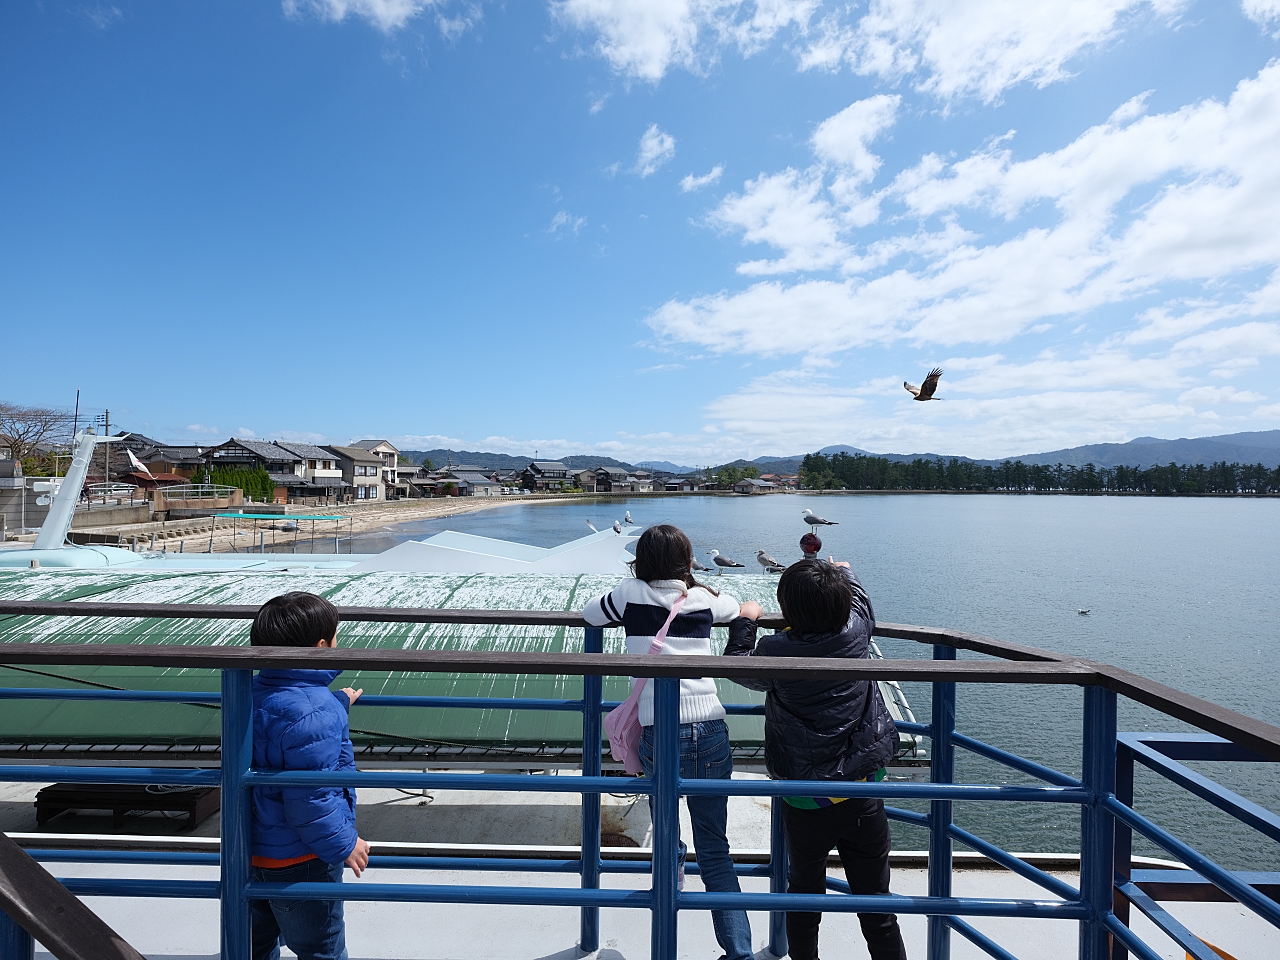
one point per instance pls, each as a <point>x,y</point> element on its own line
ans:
<point>294,619</point>
<point>815,597</point>
<point>665,553</point>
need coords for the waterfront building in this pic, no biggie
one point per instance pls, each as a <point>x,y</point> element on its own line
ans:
<point>543,476</point>
<point>362,470</point>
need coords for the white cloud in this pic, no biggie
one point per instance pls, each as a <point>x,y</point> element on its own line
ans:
<point>691,183</point>
<point>101,16</point>
<point>656,148</point>
<point>1206,395</point>
<point>786,211</point>
<point>564,222</point>
<point>844,138</point>
<point>1215,198</point>
<point>1262,12</point>
<point>645,38</point>
<point>975,48</point>
<point>388,15</point>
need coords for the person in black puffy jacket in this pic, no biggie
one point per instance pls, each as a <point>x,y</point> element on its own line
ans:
<point>826,729</point>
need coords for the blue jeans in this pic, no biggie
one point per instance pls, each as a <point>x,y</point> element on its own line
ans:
<point>705,755</point>
<point>313,929</point>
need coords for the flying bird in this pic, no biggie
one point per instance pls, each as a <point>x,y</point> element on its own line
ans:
<point>813,520</point>
<point>925,390</point>
<point>617,527</point>
<point>627,518</point>
<point>770,565</point>
<point>722,562</point>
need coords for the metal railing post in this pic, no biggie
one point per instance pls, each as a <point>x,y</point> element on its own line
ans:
<point>666,815</point>
<point>1123,844</point>
<point>1097,830</point>
<point>942,770</point>
<point>777,877</point>
<point>592,695</point>
<point>15,942</point>
<point>237,757</point>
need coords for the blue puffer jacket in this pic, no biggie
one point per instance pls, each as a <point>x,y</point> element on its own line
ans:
<point>820,729</point>
<point>300,724</point>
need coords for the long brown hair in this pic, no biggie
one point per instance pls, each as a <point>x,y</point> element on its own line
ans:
<point>665,553</point>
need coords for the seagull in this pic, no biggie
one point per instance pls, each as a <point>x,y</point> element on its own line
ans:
<point>1084,611</point>
<point>925,390</point>
<point>592,526</point>
<point>770,565</point>
<point>627,519</point>
<point>694,564</point>
<point>722,562</point>
<point>617,527</point>
<point>813,520</point>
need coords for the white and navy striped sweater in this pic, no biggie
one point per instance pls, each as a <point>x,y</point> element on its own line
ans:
<point>642,608</point>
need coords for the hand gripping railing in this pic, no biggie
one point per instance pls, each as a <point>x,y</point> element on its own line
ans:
<point>1104,792</point>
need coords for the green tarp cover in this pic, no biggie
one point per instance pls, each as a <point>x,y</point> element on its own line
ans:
<point>85,722</point>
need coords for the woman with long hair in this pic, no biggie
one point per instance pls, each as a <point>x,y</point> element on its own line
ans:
<point>663,574</point>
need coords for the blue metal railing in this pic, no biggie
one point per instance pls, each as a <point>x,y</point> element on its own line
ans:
<point>1104,793</point>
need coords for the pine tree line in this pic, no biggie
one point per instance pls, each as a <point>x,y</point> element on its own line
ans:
<point>844,472</point>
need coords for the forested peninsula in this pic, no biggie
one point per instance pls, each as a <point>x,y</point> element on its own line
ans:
<point>842,471</point>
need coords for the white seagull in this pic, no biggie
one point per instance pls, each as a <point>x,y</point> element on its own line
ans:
<point>722,562</point>
<point>627,519</point>
<point>813,520</point>
<point>694,564</point>
<point>770,565</point>
<point>617,527</point>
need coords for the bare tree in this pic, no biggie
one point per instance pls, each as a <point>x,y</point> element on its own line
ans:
<point>25,430</point>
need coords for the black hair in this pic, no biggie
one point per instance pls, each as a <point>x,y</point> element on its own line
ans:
<point>294,619</point>
<point>665,553</point>
<point>815,597</point>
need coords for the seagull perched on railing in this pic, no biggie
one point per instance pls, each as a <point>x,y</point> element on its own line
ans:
<point>813,520</point>
<point>722,562</point>
<point>770,565</point>
<point>694,564</point>
<point>627,519</point>
<point>925,390</point>
<point>617,527</point>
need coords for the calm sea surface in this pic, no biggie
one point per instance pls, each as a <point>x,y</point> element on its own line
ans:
<point>1185,591</point>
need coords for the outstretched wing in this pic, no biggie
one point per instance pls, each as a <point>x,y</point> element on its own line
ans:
<point>930,383</point>
<point>911,388</point>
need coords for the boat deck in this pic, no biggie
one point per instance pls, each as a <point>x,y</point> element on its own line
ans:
<point>464,932</point>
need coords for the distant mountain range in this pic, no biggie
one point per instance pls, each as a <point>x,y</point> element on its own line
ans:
<point>1255,447</point>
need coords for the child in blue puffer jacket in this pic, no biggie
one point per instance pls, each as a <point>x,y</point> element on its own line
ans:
<point>301,835</point>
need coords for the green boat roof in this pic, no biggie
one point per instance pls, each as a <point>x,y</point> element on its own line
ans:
<point>392,731</point>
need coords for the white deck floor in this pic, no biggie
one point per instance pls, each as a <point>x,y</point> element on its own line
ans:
<point>189,929</point>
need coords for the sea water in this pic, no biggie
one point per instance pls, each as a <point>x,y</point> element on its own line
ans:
<point>1182,590</point>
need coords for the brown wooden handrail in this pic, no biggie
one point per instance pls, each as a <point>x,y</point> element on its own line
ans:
<point>536,618</point>
<point>42,906</point>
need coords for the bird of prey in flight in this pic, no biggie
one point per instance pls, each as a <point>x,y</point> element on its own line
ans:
<point>925,390</point>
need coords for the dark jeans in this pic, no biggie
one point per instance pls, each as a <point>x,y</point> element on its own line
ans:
<point>313,929</point>
<point>705,755</point>
<point>860,831</point>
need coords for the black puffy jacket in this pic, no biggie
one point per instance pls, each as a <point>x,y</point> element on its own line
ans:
<point>820,729</point>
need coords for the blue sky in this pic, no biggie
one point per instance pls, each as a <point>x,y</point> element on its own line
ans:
<point>680,229</point>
